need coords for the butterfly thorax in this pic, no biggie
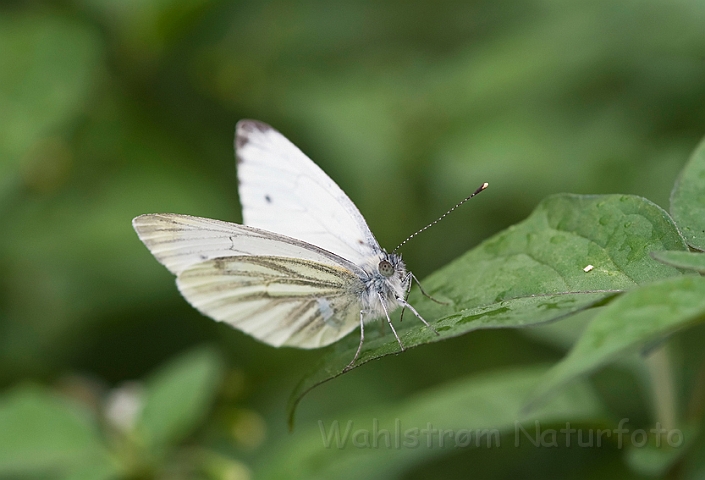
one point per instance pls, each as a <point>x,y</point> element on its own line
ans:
<point>386,280</point>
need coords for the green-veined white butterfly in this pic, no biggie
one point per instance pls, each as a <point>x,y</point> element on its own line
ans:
<point>303,271</point>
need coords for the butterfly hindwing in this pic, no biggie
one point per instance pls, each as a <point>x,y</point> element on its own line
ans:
<point>280,301</point>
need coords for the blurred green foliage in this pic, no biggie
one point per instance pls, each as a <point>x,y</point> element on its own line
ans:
<point>112,108</point>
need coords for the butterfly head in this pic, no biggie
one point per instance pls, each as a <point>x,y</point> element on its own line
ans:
<point>386,280</point>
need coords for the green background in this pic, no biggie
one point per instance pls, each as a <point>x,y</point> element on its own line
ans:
<point>114,108</point>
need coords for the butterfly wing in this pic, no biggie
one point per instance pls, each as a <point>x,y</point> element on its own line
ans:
<point>179,241</point>
<point>280,301</point>
<point>283,191</point>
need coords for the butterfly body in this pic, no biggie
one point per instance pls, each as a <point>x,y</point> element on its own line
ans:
<point>304,270</point>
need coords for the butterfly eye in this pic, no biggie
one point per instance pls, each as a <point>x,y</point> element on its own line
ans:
<point>386,268</point>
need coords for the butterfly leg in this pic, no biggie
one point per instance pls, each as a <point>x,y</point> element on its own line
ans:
<point>362,339</point>
<point>424,292</point>
<point>406,296</point>
<point>389,321</point>
<point>404,303</point>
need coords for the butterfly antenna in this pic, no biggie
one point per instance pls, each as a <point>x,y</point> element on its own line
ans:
<point>482,187</point>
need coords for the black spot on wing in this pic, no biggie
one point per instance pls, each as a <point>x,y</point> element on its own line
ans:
<point>268,198</point>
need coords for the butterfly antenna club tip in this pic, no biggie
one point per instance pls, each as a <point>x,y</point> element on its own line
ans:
<point>480,188</point>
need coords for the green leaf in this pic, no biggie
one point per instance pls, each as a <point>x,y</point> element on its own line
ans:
<point>627,324</point>
<point>531,273</point>
<point>178,397</point>
<point>563,334</point>
<point>518,312</point>
<point>688,199</point>
<point>490,401</point>
<point>686,260</point>
<point>40,432</point>
<point>547,252</point>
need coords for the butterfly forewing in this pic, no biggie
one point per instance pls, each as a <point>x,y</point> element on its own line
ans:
<point>282,190</point>
<point>281,301</point>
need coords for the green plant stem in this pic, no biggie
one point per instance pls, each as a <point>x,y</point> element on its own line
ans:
<point>663,389</point>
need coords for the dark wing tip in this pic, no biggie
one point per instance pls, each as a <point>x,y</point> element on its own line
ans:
<point>245,128</point>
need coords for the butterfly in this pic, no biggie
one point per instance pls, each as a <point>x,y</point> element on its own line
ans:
<point>304,269</point>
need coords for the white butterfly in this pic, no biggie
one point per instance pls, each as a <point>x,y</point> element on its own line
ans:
<point>304,270</point>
